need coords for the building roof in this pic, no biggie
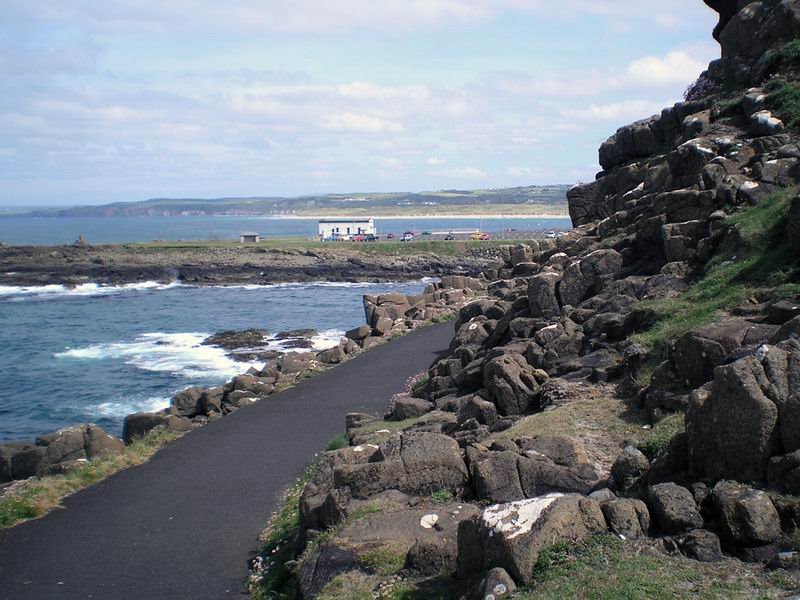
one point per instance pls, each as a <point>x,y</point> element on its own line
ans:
<point>354,220</point>
<point>249,233</point>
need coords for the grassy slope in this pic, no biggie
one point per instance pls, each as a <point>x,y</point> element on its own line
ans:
<point>605,568</point>
<point>440,248</point>
<point>36,497</point>
<point>760,263</point>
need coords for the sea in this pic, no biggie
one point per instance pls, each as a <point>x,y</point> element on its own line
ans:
<point>95,354</point>
<point>118,230</point>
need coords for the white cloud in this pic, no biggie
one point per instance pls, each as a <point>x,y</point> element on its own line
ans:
<point>674,68</point>
<point>334,18</point>
<point>463,173</point>
<point>628,110</point>
<point>436,160</point>
<point>357,123</point>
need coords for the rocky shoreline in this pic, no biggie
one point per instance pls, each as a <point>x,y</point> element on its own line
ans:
<point>386,317</point>
<point>637,380</point>
<point>242,265</point>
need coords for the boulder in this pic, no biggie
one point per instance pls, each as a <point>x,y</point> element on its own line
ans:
<point>539,476</point>
<point>187,402</point>
<point>511,536</point>
<point>497,585</point>
<point>750,414</point>
<point>627,517</point>
<point>406,407</point>
<point>673,508</point>
<point>496,478</point>
<point>475,407</point>
<point>513,385</point>
<point>562,450</point>
<point>629,466</point>
<point>747,517</point>
<point>416,463</point>
<point>700,351</point>
<point>359,333</point>
<point>701,545</point>
<point>138,425</point>
<point>542,298</point>
<point>590,274</point>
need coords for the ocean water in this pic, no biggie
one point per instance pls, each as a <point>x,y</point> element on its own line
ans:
<point>99,230</point>
<point>95,354</point>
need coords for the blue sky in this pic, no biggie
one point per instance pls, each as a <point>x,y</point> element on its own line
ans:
<point>124,100</point>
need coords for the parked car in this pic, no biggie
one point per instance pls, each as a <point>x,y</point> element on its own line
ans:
<point>407,237</point>
<point>479,237</point>
<point>371,238</point>
<point>390,236</point>
<point>550,235</point>
<point>345,238</point>
<point>359,238</point>
<point>426,233</point>
<point>449,237</point>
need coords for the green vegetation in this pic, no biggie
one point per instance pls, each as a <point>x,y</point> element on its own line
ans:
<point>36,497</point>
<point>783,58</point>
<point>530,200</point>
<point>340,441</point>
<point>606,568</point>
<point>419,383</point>
<point>759,261</point>
<point>275,579</point>
<point>383,248</point>
<point>384,560</point>
<point>784,99</point>
<point>352,585</point>
<point>661,435</point>
<point>442,497</point>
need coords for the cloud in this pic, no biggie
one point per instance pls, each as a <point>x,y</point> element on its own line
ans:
<point>628,110</point>
<point>674,68</point>
<point>336,18</point>
<point>357,123</point>
<point>436,160</point>
<point>463,173</point>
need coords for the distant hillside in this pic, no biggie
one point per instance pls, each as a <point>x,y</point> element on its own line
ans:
<point>522,200</point>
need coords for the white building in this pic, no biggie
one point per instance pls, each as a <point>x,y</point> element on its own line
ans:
<point>329,228</point>
<point>249,237</point>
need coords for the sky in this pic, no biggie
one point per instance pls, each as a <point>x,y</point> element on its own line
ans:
<point>124,100</point>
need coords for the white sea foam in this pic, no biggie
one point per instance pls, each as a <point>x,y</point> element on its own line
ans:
<point>85,289</point>
<point>123,408</point>
<point>180,354</point>
<point>322,341</point>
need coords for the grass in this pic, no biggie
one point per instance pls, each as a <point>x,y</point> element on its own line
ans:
<point>419,383</point>
<point>784,99</point>
<point>761,262</point>
<point>661,435</point>
<point>353,585</point>
<point>275,579</point>
<point>442,497</point>
<point>337,443</point>
<point>38,496</point>
<point>384,560</point>
<point>605,568</point>
<point>601,420</point>
<point>787,55</point>
<point>389,248</point>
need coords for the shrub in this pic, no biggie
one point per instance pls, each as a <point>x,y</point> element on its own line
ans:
<point>784,99</point>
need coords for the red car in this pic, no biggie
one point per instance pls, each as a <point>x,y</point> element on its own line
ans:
<point>359,238</point>
<point>390,236</point>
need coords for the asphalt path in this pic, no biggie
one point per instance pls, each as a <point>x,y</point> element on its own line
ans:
<point>184,525</point>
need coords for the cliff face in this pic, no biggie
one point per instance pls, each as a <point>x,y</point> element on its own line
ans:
<point>639,375</point>
<point>747,31</point>
<point>716,147</point>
